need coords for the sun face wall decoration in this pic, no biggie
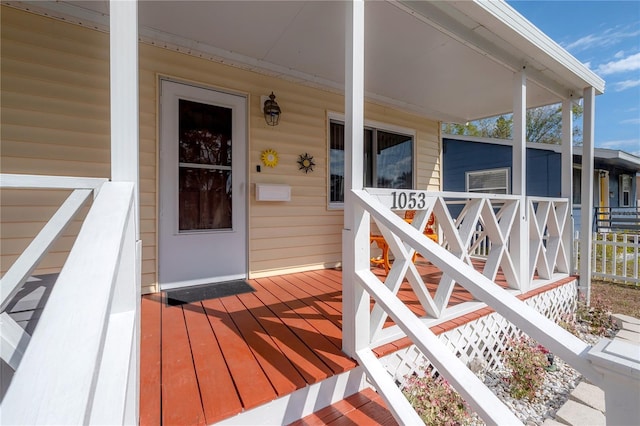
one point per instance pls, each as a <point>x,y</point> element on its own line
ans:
<point>269,158</point>
<point>306,162</point>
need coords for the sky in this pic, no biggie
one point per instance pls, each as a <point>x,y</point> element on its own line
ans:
<point>604,35</point>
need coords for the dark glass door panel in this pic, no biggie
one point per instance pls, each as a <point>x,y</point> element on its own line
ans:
<point>204,155</point>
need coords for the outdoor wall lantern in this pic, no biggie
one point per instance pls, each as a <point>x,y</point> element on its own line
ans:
<point>271,111</point>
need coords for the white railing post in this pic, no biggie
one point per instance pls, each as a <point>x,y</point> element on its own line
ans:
<point>355,236</point>
<point>78,366</point>
<point>619,363</point>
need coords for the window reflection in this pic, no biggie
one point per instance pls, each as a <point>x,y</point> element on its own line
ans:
<point>205,199</point>
<point>204,155</point>
<point>388,160</point>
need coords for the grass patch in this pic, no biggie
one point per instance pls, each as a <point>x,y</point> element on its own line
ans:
<point>623,299</point>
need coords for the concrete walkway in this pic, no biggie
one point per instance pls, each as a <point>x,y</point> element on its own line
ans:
<point>585,406</point>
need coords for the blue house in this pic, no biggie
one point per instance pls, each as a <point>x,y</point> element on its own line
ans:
<point>473,164</point>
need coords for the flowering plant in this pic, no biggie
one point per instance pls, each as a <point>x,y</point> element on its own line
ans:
<point>596,315</point>
<point>527,363</point>
<point>435,401</point>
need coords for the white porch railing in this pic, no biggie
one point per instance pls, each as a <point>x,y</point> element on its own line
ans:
<point>81,364</point>
<point>471,226</point>
<point>615,257</point>
<point>497,216</point>
<point>549,238</point>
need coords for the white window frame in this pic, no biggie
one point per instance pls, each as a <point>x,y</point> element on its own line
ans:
<point>505,170</point>
<point>374,125</point>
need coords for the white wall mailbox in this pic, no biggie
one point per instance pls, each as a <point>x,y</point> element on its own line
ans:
<point>272,192</point>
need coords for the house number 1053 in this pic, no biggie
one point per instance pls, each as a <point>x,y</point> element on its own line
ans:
<point>408,200</point>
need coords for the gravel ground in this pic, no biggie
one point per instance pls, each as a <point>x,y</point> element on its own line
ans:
<point>555,392</point>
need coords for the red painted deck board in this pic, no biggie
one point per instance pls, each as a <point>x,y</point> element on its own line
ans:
<point>210,365</point>
<point>277,367</point>
<point>316,300</point>
<point>252,384</point>
<point>181,402</point>
<point>305,361</point>
<point>332,359</point>
<point>363,408</point>
<point>205,361</point>
<point>306,307</point>
<point>150,361</point>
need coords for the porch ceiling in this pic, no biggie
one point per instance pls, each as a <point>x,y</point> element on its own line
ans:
<point>450,61</point>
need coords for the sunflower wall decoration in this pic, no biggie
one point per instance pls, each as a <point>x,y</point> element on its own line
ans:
<point>269,158</point>
<point>306,162</point>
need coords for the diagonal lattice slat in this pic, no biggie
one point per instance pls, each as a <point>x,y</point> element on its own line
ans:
<point>484,338</point>
<point>547,223</point>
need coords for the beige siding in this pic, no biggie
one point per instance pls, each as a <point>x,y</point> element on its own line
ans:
<point>55,114</point>
<point>55,120</point>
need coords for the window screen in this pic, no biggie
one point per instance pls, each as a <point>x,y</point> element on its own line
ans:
<point>494,181</point>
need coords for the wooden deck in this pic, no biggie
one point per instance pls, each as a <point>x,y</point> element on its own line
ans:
<point>362,408</point>
<point>206,361</point>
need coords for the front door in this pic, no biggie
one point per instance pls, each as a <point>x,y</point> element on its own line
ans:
<point>202,175</point>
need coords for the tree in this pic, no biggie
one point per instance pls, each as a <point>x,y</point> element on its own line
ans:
<point>502,129</point>
<point>544,125</point>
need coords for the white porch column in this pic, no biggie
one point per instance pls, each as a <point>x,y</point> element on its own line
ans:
<point>123,39</point>
<point>586,225</point>
<point>355,235</point>
<point>566,190</point>
<point>520,233</point>
<point>125,164</point>
<point>566,176</point>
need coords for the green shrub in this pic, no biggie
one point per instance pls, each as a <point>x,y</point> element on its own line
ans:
<point>435,401</point>
<point>527,363</point>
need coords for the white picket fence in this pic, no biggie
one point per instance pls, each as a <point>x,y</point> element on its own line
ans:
<point>616,257</point>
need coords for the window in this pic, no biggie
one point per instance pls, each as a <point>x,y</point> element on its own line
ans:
<point>625,190</point>
<point>577,185</point>
<point>494,181</point>
<point>388,160</point>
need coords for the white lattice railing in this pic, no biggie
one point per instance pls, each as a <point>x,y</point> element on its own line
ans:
<point>482,339</point>
<point>498,216</point>
<point>81,363</point>
<point>616,256</point>
<point>470,225</point>
<point>549,237</point>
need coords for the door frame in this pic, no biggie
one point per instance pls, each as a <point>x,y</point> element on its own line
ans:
<point>245,221</point>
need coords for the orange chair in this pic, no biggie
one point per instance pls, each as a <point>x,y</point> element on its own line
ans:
<point>429,230</point>
<point>383,260</point>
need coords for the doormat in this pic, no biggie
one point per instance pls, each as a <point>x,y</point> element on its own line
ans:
<point>207,291</point>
